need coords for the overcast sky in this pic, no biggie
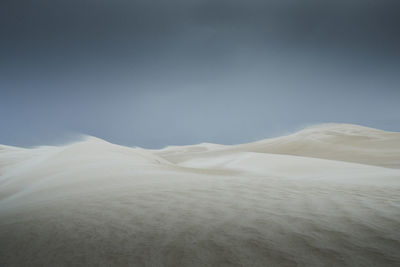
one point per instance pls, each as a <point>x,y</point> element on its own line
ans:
<point>155,73</point>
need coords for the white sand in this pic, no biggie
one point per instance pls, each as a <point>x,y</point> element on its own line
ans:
<point>326,196</point>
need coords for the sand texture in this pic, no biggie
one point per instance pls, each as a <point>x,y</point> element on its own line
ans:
<point>328,195</point>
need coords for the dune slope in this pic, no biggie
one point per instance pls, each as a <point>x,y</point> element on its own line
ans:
<point>325,196</point>
<point>343,142</point>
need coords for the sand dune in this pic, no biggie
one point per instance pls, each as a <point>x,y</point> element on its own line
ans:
<point>328,195</point>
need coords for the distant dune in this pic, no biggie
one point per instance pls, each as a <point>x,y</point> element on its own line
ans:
<point>344,142</point>
<point>328,195</point>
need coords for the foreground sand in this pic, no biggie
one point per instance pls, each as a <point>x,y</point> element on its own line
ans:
<point>326,196</point>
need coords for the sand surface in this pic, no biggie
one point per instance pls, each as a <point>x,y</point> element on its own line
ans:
<point>328,195</point>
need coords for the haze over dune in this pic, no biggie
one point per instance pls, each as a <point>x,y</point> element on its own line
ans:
<point>328,195</point>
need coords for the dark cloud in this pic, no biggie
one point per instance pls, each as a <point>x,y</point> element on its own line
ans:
<point>222,71</point>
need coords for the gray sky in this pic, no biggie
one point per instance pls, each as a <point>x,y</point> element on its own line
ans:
<point>156,73</point>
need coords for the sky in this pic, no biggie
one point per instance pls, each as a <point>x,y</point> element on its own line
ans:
<point>154,73</point>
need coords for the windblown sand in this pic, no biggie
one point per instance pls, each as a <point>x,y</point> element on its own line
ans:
<point>328,195</point>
